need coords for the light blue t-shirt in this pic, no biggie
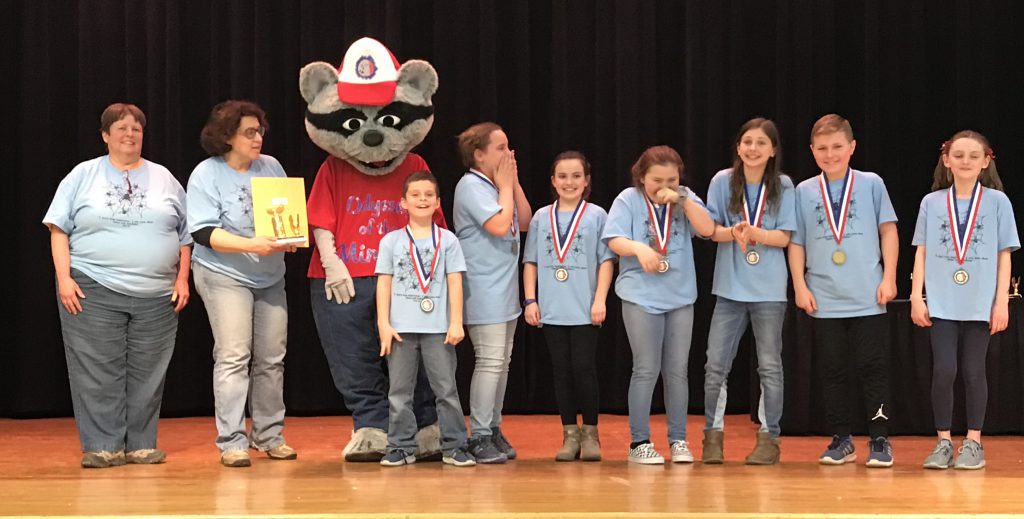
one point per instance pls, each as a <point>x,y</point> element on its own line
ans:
<point>735,278</point>
<point>995,230</point>
<point>127,239</point>
<point>655,292</point>
<point>492,262</point>
<point>395,259</point>
<point>567,303</point>
<point>848,290</point>
<point>219,196</point>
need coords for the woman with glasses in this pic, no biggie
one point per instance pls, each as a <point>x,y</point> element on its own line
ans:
<point>121,254</point>
<point>240,277</point>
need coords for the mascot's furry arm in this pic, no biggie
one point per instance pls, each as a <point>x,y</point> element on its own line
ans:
<point>338,282</point>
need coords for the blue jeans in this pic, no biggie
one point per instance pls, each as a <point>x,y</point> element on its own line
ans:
<point>728,324</point>
<point>348,335</point>
<point>660,344</point>
<point>117,349</point>
<point>492,347</point>
<point>250,332</point>
<point>403,367</point>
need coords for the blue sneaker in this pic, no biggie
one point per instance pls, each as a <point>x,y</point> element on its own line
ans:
<point>483,449</point>
<point>459,457</point>
<point>839,451</point>
<point>880,455</point>
<point>397,458</point>
<point>501,442</point>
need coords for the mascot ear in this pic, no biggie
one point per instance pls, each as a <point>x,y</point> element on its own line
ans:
<point>417,78</point>
<point>316,76</point>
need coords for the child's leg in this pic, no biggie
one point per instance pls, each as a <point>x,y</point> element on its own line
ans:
<point>830,337</point>
<point>767,319</point>
<point>557,338</point>
<point>403,366</point>
<point>646,333</point>
<point>975,351</point>
<point>499,392</point>
<point>945,336</point>
<point>440,361</point>
<point>728,323</point>
<point>583,343</point>
<point>869,339</point>
<point>490,374</point>
<point>674,364</point>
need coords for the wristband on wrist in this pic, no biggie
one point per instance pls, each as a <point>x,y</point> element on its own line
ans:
<point>529,302</point>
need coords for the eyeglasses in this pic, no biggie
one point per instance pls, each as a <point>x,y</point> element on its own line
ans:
<point>250,133</point>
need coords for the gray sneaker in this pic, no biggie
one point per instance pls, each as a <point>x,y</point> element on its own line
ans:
<point>972,456</point>
<point>941,457</point>
<point>145,456</point>
<point>485,452</point>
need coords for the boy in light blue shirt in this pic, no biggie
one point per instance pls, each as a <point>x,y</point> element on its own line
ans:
<point>842,257</point>
<point>419,312</point>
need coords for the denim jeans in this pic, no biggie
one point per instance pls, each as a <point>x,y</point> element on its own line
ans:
<point>660,344</point>
<point>728,324</point>
<point>117,349</point>
<point>492,346</point>
<point>403,367</point>
<point>348,335</point>
<point>250,332</point>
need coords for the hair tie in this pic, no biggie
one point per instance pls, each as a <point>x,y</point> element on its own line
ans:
<point>990,153</point>
<point>944,147</point>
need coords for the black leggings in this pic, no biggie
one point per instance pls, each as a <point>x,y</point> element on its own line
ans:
<point>947,337</point>
<point>574,365</point>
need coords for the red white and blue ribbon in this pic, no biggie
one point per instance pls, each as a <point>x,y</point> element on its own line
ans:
<point>418,266</point>
<point>962,233</point>
<point>753,214</point>
<point>662,223</point>
<point>562,243</point>
<point>838,210</point>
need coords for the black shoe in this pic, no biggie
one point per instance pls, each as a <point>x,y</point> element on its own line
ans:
<point>501,442</point>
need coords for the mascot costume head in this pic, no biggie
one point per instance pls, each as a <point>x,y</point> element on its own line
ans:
<point>367,115</point>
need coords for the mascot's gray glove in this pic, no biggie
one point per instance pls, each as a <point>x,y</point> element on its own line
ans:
<point>338,284</point>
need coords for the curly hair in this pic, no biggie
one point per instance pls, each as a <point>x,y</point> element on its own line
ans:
<point>223,123</point>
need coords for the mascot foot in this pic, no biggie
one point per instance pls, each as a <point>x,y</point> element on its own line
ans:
<point>367,444</point>
<point>428,443</point>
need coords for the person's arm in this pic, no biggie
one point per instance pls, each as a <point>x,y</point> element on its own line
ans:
<point>890,242</point>
<point>797,264</point>
<point>647,257</point>
<point>918,306</point>
<point>1000,307</point>
<point>387,333</point>
<point>532,311</point>
<point>68,291</point>
<point>455,330</point>
<point>599,310</point>
<point>505,181</point>
<point>773,238</point>
<point>723,234</point>
<point>224,241</point>
<point>180,294</point>
<point>699,217</point>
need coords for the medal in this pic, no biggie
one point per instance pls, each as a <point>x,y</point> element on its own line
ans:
<point>752,257</point>
<point>423,276</point>
<point>962,232</point>
<point>661,223</point>
<point>837,211</point>
<point>562,242</point>
<point>514,227</point>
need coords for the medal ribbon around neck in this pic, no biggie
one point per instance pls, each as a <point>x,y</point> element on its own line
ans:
<point>962,234</point>
<point>837,221</point>
<point>753,214</point>
<point>418,266</point>
<point>662,222</point>
<point>515,210</point>
<point>562,243</point>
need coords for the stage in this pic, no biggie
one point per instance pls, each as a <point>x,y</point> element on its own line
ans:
<point>40,476</point>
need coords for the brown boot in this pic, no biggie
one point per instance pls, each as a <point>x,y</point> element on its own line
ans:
<point>712,452</point>
<point>570,444</point>
<point>766,452</point>
<point>590,444</point>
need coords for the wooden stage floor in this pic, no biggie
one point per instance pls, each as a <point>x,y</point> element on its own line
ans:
<point>40,476</point>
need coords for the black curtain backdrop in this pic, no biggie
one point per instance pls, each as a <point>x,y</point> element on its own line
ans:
<point>606,77</point>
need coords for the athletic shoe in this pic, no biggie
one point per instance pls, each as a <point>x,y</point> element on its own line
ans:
<point>282,452</point>
<point>102,459</point>
<point>839,451</point>
<point>145,456</point>
<point>645,454</point>
<point>880,453</point>
<point>459,457</point>
<point>972,456</point>
<point>397,458</point>
<point>681,453</point>
<point>235,458</point>
<point>501,442</point>
<point>941,457</point>
<point>483,449</point>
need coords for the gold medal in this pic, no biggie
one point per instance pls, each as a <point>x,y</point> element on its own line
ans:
<point>961,277</point>
<point>838,257</point>
<point>752,257</point>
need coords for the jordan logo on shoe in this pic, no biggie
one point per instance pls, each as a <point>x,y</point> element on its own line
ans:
<point>879,414</point>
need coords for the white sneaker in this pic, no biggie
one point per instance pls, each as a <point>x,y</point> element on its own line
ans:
<point>681,453</point>
<point>645,454</point>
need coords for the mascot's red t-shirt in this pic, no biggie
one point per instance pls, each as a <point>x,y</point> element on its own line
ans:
<point>359,209</point>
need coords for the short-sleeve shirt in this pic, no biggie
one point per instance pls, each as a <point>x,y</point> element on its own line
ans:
<point>359,209</point>
<point>850,289</point>
<point>220,197</point>
<point>995,230</point>
<point>492,262</point>
<point>396,259</point>
<point>567,303</point>
<point>735,278</point>
<point>125,230</point>
<point>654,292</point>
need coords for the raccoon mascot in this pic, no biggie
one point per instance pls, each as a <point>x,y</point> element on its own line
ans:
<point>368,115</point>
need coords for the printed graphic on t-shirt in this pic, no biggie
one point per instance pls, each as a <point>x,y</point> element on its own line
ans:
<point>125,199</point>
<point>241,200</point>
<point>977,241</point>
<point>824,228</point>
<point>404,280</point>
